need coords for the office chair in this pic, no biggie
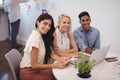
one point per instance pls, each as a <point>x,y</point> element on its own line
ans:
<point>14,57</point>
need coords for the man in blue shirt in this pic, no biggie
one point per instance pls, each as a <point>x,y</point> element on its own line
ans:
<point>86,37</point>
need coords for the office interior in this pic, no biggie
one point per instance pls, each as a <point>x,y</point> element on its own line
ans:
<point>105,15</point>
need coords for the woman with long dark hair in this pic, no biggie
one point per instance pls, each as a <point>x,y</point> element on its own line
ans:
<point>38,50</point>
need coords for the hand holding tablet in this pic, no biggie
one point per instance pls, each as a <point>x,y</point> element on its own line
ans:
<point>71,59</point>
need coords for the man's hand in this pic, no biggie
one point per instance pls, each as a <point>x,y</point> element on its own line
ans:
<point>88,50</point>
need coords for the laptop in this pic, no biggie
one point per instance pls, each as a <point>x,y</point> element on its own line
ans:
<point>99,55</point>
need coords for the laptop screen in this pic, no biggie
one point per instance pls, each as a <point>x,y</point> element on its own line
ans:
<point>100,54</point>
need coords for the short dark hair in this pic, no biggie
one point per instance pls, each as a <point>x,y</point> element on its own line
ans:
<point>84,13</point>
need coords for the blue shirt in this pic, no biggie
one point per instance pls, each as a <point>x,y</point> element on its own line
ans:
<point>90,39</point>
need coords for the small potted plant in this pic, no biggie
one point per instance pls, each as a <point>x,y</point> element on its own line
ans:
<point>84,68</point>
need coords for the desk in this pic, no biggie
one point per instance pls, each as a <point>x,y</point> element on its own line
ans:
<point>102,71</point>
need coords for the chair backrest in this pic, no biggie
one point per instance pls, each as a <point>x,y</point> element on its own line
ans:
<point>14,57</point>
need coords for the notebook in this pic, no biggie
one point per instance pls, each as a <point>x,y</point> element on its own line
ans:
<point>99,55</point>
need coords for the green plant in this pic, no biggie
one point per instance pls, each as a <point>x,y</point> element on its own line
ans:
<point>85,66</point>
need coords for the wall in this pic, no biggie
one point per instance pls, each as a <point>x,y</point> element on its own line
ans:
<point>104,14</point>
<point>4,30</point>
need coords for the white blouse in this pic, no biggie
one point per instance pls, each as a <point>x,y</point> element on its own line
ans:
<point>13,9</point>
<point>62,40</point>
<point>35,39</point>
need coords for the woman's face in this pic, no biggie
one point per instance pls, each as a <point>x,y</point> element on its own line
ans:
<point>64,24</point>
<point>44,26</point>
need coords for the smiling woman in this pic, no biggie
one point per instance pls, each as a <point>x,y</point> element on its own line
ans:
<point>64,37</point>
<point>37,51</point>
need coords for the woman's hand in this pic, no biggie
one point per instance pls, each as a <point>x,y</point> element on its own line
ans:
<point>60,65</point>
<point>76,55</point>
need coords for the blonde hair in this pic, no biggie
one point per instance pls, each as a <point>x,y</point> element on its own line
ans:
<point>60,18</point>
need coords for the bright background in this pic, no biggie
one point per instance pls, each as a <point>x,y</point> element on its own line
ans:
<point>105,15</point>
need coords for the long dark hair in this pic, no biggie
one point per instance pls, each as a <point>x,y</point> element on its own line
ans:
<point>47,38</point>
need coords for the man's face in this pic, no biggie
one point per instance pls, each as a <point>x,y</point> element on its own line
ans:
<point>85,22</point>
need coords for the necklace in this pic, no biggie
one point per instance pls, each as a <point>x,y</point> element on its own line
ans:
<point>61,39</point>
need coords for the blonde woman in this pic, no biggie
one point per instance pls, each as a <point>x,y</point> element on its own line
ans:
<point>64,37</point>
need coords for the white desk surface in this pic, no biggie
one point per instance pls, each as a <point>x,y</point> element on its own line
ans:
<point>102,71</point>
